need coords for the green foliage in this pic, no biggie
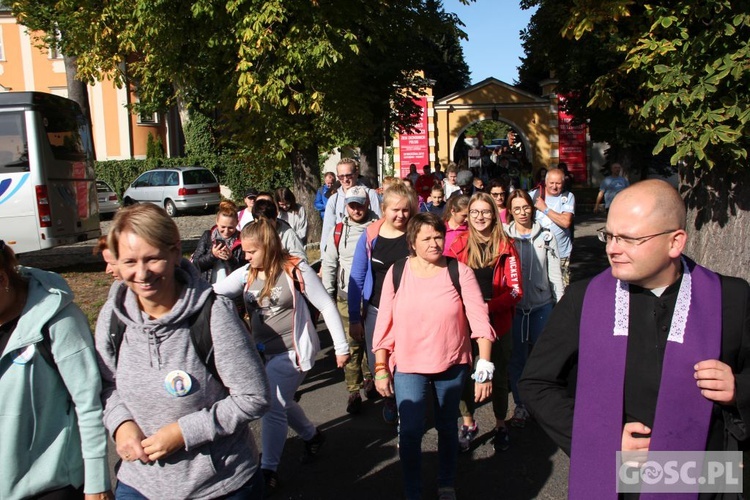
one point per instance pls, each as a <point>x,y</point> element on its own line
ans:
<point>491,130</point>
<point>691,61</point>
<point>199,135</point>
<point>154,147</point>
<point>236,171</point>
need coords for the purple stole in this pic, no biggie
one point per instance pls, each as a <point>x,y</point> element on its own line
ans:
<point>683,415</point>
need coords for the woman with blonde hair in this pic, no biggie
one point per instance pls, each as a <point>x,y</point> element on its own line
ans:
<point>275,287</point>
<point>178,415</point>
<point>490,253</point>
<point>219,251</point>
<point>383,243</point>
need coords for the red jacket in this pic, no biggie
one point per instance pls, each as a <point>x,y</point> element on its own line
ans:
<point>506,282</point>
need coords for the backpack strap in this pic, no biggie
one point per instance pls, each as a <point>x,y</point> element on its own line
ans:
<point>45,348</point>
<point>337,230</point>
<point>398,271</point>
<point>200,335</point>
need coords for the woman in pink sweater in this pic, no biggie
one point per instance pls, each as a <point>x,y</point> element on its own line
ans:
<point>454,215</point>
<point>417,347</point>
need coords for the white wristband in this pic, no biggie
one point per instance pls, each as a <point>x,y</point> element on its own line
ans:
<point>484,371</point>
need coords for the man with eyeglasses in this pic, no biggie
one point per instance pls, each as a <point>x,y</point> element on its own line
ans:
<point>347,172</point>
<point>555,209</point>
<point>650,355</point>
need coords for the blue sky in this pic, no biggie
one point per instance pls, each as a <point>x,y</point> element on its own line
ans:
<point>494,45</point>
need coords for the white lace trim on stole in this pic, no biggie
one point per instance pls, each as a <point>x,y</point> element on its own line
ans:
<point>679,317</point>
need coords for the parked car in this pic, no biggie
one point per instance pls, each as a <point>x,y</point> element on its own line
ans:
<point>176,189</point>
<point>108,200</point>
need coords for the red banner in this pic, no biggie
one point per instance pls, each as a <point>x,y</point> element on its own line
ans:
<point>573,144</point>
<point>415,147</point>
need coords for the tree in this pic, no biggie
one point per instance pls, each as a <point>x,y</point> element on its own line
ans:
<point>286,77</point>
<point>688,61</point>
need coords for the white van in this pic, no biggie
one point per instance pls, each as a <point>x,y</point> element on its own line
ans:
<point>47,179</point>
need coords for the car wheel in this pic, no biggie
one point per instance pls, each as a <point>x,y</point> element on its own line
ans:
<point>129,201</point>
<point>171,208</point>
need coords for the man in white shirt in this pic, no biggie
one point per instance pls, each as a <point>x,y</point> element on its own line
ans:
<point>555,210</point>
<point>347,172</point>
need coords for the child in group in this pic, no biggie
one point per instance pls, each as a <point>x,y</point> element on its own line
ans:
<point>436,203</point>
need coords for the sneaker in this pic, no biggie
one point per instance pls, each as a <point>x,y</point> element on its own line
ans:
<point>390,411</point>
<point>354,403</point>
<point>271,479</point>
<point>502,439</point>
<point>369,387</point>
<point>466,435</point>
<point>446,493</point>
<point>312,447</point>
<point>520,417</point>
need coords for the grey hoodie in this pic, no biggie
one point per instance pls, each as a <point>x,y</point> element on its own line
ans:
<point>540,266</point>
<point>336,262</point>
<point>220,454</point>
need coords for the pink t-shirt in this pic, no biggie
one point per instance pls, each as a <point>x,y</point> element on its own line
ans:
<point>425,330</point>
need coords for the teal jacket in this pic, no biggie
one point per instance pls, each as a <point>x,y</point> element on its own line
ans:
<point>51,432</point>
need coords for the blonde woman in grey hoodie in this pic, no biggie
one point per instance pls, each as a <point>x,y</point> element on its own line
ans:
<point>542,287</point>
<point>179,426</point>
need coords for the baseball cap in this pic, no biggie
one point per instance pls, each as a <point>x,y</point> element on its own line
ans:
<point>251,193</point>
<point>464,178</point>
<point>357,194</point>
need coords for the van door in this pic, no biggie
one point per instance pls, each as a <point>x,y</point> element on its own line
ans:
<point>17,198</point>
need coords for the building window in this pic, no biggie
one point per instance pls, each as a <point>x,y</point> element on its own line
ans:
<point>2,45</point>
<point>148,118</point>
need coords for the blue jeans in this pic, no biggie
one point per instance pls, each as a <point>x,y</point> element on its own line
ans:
<point>411,396</point>
<point>527,327</point>
<point>251,490</point>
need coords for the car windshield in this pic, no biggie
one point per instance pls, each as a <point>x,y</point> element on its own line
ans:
<point>201,176</point>
<point>102,187</point>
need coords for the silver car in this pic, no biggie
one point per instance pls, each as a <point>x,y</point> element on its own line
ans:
<point>176,189</point>
<point>108,200</point>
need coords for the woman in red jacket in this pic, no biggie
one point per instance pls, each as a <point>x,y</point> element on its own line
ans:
<point>491,254</point>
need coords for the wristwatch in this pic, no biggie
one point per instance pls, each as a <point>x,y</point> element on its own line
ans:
<point>546,211</point>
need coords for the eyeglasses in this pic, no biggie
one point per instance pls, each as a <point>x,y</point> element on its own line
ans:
<point>498,195</point>
<point>344,177</point>
<point>475,213</point>
<point>524,209</point>
<point>628,241</point>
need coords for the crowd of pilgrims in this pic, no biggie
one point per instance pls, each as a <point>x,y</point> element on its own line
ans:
<point>187,352</point>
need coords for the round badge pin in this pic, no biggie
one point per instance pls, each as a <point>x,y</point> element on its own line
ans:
<point>178,383</point>
<point>24,355</point>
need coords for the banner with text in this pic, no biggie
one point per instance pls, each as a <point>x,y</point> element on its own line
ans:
<point>573,145</point>
<point>414,147</point>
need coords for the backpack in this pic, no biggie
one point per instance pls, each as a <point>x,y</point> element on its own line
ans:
<point>200,335</point>
<point>398,270</point>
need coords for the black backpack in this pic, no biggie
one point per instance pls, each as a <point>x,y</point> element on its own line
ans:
<point>398,270</point>
<point>200,335</point>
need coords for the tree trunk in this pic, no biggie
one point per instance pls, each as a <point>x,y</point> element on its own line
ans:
<point>306,178</point>
<point>718,221</point>
<point>368,165</point>
<point>77,90</point>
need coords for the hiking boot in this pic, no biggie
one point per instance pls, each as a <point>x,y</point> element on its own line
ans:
<point>271,479</point>
<point>370,391</point>
<point>520,417</point>
<point>390,411</point>
<point>354,403</point>
<point>502,439</point>
<point>312,447</point>
<point>466,435</point>
<point>446,493</point>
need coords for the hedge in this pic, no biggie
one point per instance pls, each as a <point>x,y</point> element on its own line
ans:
<point>233,171</point>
